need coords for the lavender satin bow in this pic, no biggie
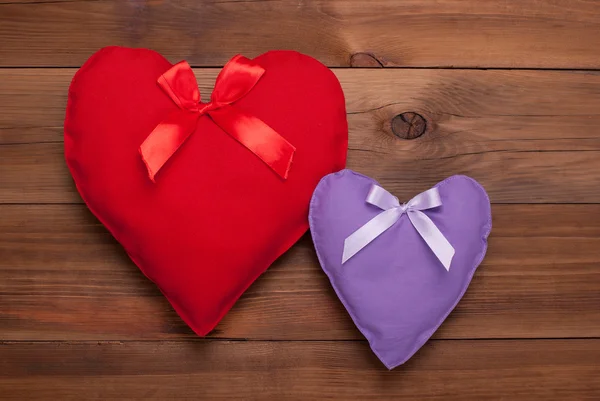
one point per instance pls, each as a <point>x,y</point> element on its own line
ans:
<point>393,210</point>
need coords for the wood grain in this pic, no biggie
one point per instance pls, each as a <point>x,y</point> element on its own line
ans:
<point>447,33</point>
<point>62,276</point>
<point>441,370</point>
<point>525,135</point>
<point>79,321</point>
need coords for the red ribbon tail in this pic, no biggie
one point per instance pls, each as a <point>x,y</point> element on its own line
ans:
<point>165,139</point>
<point>258,137</point>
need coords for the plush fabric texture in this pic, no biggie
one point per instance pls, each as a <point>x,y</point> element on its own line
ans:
<point>395,289</point>
<point>217,216</point>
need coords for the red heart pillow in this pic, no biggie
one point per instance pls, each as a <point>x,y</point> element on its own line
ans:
<point>217,215</point>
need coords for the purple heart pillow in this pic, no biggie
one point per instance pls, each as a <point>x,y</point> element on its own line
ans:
<point>395,288</point>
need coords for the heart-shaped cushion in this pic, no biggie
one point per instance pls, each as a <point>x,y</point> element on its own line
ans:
<point>217,215</point>
<point>395,289</point>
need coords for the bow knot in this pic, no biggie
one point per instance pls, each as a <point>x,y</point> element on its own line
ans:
<point>237,78</point>
<point>204,108</point>
<point>392,211</point>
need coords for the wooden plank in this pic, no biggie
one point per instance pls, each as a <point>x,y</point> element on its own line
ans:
<point>62,276</point>
<point>510,33</point>
<point>491,125</point>
<point>442,370</point>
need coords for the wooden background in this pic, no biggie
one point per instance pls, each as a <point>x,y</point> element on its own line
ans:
<point>510,93</point>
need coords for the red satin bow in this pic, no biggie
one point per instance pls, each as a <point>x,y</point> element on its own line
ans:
<point>236,79</point>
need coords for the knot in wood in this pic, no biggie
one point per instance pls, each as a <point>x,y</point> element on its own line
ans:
<point>409,125</point>
<point>365,60</point>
